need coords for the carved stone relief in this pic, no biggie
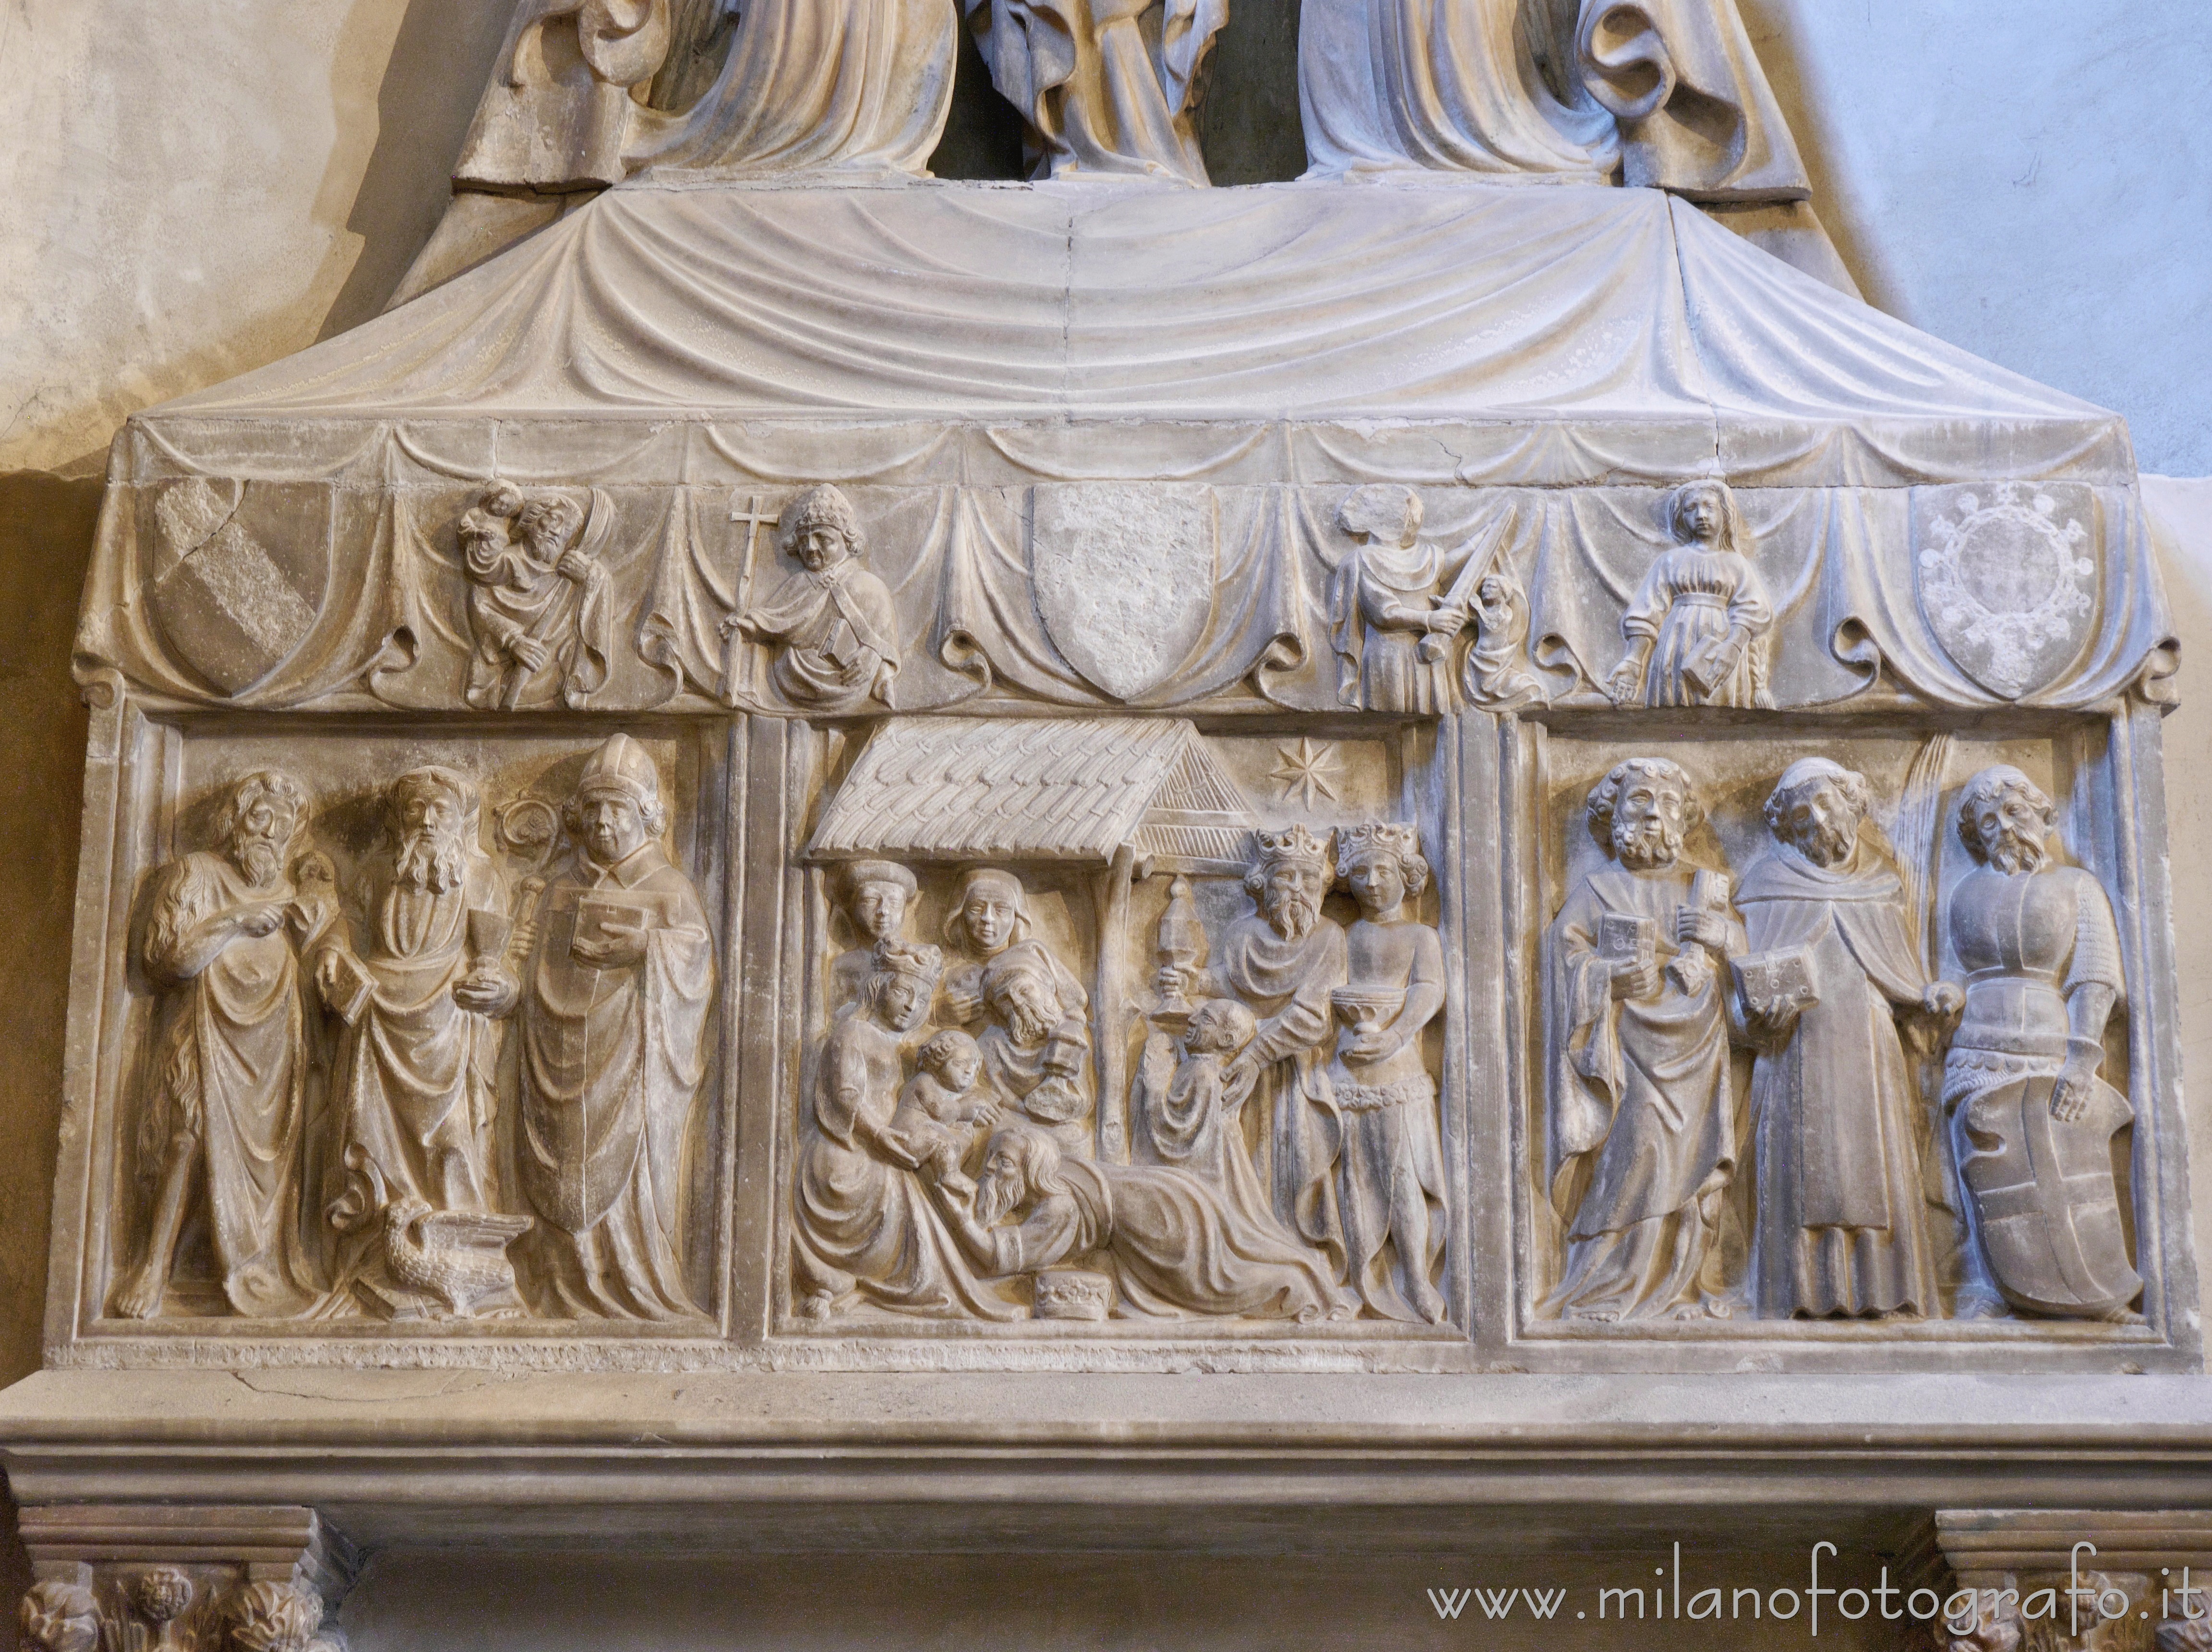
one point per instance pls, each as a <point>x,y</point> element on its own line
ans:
<point>1806,1062</point>
<point>367,1095</point>
<point>1031,1121</point>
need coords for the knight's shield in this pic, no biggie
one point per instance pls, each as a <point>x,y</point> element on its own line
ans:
<point>1124,577</point>
<point>2045,1200</point>
<point>238,575</point>
<point>2008,578</point>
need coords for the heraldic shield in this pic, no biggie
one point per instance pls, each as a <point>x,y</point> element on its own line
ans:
<point>2043,1196</point>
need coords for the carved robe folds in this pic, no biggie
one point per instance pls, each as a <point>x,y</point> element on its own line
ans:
<point>1842,1224</point>
<point>231,1074</point>
<point>611,1067</point>
<point>1642,1118</point>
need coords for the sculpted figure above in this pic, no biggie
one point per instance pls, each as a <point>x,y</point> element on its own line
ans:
<point>1390,619</point>
<point>1390,1178</point>
<point>1830,964</point>
<point>1641,1109</point>
<point>538,598</point>
<point>613,1051</point>
<point>1697,631</point>
<point>2033,1120</point>
<point>230,1067</point>
<point>832,623</point>
<point>419,992</point>
<point>1107,88</point>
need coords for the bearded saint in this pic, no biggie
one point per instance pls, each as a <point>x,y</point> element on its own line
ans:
<point>1283,959</point>
<point>1643,1114</point>
<point>1843,1225</point>
<point>1036,1056</point>
<point>230,1070</point>
<point>2033,1120</point>
<point>538,598</point>
<point>614,1048</point>
<point>419,1050</point>
<point>1178,1246</point>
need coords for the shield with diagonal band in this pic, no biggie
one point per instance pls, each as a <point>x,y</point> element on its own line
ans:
<point>238,575</point>
<point>2044,1197</point>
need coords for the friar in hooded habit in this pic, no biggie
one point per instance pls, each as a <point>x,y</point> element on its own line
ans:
<point>1842,1226</point>
<point>614,1019</point>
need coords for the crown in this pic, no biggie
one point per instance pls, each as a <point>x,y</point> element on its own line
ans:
<point>1296,846</point>
<point>1357,843</point>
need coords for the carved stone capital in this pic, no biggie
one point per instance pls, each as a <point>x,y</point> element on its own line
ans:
<point>169,1577</point>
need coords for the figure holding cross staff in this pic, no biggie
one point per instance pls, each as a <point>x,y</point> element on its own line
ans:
<point>833,620</point>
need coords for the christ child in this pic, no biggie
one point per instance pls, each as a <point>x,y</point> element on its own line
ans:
<point>938,1097</point>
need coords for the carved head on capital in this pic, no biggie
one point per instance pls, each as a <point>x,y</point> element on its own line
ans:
<point>1382,865</point>
<point>1816,808</point>
<point>2005,820</point>
<point>1288,878</point>
<point>59,1617</point>
<point>1383,512</point>
<point>257,823</point>
<point>992,913</point>
<point>875,894</point>
<point>820,529</point>
<point>617,810</point>
<point>432,813</point>
<point>1642,810</point>
<point>897,992</point>
<point>1704,512</point>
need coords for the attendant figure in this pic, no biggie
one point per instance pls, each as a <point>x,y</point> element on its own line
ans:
<point>1390,1179</point>
<point>419,1004</point>
<point>1177,1247</point>
<point>538,598</point>
<point>1385,607</point>
<point>863,1226</point>
<point>1283,961</point>
<point>223,1118</point>
<point>875,894</point>
<point>1036,1052</point>
<point>1841,1219</point>
<point>1495,678</point>
<point>2033,1119</point>
<point>832,623</point>
<point>1698,629</point>
<point>1641,1109</point>
<point>990,923</point>
<point>940,1099</point>
<point>1192,1109</point>
<point>613,1051</point>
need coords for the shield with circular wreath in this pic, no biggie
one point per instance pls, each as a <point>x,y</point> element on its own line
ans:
<point>2007,577</point>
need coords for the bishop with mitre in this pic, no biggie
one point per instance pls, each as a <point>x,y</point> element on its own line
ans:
<point>614,1048</point>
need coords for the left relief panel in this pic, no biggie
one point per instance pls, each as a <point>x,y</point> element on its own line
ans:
<point>421,1035</point>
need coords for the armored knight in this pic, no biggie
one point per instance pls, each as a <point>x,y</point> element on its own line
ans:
<point>2033,1119</point>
